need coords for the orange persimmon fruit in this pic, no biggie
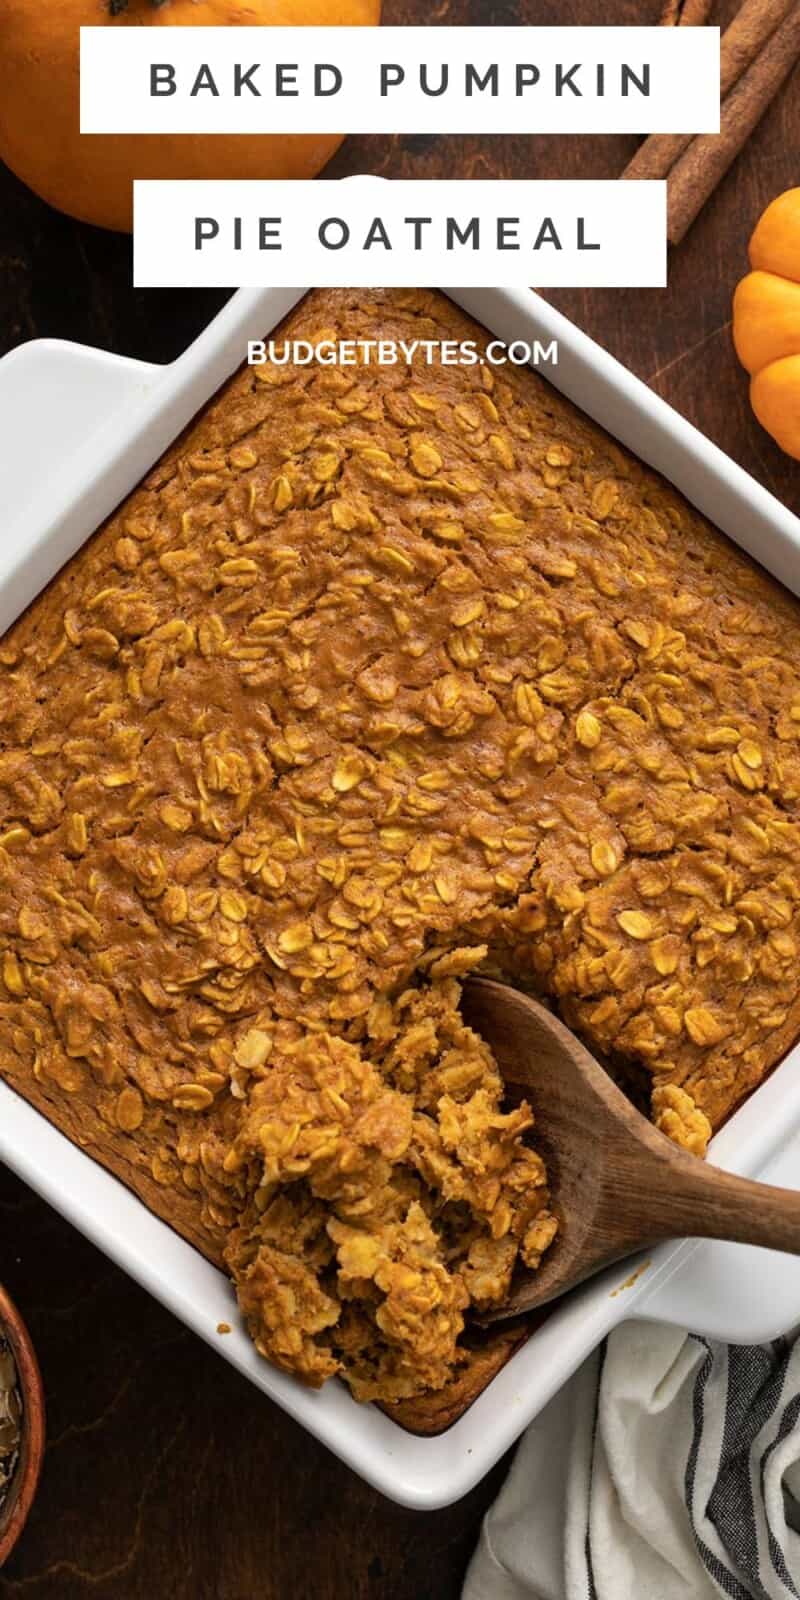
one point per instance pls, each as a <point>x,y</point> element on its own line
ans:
<point>89,176</point>
<point>766,321</point>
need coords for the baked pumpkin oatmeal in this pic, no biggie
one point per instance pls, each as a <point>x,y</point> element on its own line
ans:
<point>383,674</point>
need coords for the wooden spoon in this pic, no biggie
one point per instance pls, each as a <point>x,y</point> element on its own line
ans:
<point>617,1183</point>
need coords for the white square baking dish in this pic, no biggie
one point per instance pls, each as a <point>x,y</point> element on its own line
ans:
<point>106,420</point>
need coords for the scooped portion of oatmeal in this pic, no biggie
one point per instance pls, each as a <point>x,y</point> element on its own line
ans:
<point>390,1193</point>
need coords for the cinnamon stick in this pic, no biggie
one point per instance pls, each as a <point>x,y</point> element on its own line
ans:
<point>753,25</point>
<point>696,175</point>
<point>685,13</point>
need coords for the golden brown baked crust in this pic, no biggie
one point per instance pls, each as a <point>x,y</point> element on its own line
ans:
<point>382,670</point>
<point>436,1411</point>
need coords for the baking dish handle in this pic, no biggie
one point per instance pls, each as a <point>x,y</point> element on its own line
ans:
<point>739,1293</point>
<point>56,395</point>
<point>731,1292</point>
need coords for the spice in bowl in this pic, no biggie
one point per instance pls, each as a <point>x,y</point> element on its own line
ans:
<point>10,1420</point>
<point>22,1425</point>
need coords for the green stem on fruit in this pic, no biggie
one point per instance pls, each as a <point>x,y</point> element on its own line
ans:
<point>116,7</point>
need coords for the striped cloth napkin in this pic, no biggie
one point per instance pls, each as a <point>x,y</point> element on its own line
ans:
<point>668,1468</point>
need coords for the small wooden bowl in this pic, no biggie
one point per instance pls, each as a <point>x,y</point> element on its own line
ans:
<point>26,1477</point>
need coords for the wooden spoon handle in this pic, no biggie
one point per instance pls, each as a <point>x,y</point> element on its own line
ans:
<point>709,1203</point>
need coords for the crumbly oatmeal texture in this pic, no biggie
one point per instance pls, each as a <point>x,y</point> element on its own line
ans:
<point>380,675</point>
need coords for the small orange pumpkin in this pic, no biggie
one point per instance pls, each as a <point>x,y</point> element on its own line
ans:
<point>90,175</point>
<point>766,321</point>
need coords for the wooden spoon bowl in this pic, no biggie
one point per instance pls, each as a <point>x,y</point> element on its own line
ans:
<point>617,1184</point>
<point>22,1489</point>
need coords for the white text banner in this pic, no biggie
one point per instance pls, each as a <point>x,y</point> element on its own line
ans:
<point>363,231</point>
<point>399,80</point>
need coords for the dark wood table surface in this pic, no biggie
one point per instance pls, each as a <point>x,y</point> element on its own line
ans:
<point>166,1474</point>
